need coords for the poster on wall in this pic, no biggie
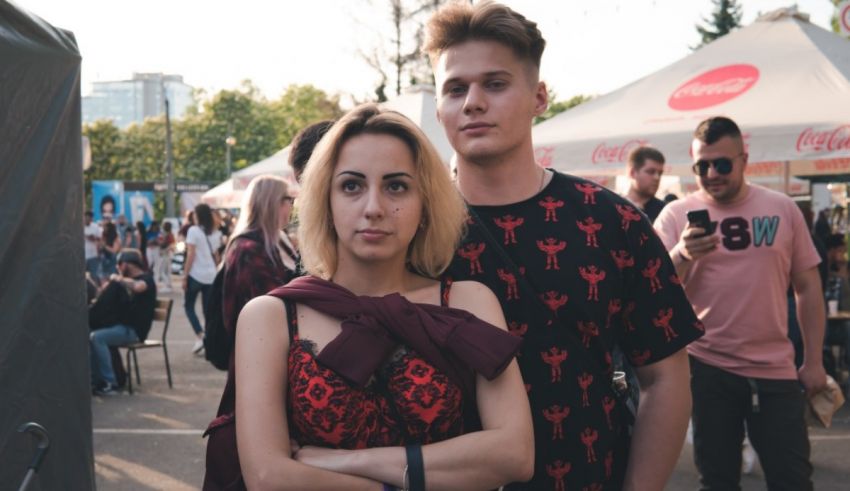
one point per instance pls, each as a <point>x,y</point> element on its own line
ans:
<point>107,199</point>
<point>138,202</point>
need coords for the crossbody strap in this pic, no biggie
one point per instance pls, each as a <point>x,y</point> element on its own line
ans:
<point>577,347</point>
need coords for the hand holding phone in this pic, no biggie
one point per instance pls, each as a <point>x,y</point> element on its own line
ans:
<point>701,219</point>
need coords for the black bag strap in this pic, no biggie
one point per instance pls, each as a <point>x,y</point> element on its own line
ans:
<point>576,345</point>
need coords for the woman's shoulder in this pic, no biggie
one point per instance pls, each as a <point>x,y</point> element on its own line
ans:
<point>477,299</point>
<point>263,310</point>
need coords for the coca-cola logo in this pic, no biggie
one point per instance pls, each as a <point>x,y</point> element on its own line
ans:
<point>714,87</point>
<point>615,153</point>
<point>831,140</point>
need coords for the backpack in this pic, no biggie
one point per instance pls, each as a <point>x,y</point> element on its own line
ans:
<point>218,343</point>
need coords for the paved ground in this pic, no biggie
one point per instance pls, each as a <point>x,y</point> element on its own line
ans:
<point>152,439</point>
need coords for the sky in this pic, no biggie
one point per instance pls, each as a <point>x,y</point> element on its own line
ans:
<point>593,46</point>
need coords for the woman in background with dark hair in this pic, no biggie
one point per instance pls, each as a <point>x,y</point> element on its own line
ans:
<point>110,248</point>
<point>142,240</point>
<point>107,207</point>
<point>202,243</point>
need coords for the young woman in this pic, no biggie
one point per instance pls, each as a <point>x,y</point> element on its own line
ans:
<point>258,259</point>
<point>110,247</point>
<point>373,363</point>
<point>152,247</point>
<point>202,241</point>
<point>142,240</point>
<point>166,252</point>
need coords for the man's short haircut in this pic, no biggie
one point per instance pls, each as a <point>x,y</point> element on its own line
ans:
<point>835,240</point>
<point>132,256</point>
<point>304,143</point>
<point>713,129</point>
<point>89,214</point>
<point>639,156</point>
<point>459,22</point>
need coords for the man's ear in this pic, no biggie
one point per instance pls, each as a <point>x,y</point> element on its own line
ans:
<point>437,110</point>
<point>541,98</point>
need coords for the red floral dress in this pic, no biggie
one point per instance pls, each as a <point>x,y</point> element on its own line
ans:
<point>407,400</point>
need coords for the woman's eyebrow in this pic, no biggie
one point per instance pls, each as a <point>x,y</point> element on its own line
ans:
<point>393,175</point>
<point>353,173</point>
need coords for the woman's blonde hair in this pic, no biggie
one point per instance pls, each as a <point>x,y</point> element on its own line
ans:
<point>261,212</point>
<point>443,211</point>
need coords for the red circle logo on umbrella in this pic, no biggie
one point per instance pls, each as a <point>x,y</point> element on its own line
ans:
<point>714,87</point>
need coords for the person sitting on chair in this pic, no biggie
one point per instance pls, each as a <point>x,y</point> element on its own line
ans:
<point>122,314</point>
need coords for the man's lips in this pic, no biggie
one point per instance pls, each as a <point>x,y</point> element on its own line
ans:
<point>476,126</point>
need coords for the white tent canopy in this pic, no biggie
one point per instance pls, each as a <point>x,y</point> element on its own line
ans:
<point>417,103</point>
<point>786,82</point>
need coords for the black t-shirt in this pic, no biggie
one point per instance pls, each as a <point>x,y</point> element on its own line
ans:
<point>598,265</point>
<point>653,208</point>
<point>139,314</point>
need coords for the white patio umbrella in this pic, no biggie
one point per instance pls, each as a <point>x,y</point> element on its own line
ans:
<point>785,81</point>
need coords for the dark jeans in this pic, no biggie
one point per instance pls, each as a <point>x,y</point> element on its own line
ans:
<point>722,403</point>
<point>194,287</point>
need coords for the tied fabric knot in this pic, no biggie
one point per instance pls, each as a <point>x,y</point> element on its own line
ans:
<point>454,341</point>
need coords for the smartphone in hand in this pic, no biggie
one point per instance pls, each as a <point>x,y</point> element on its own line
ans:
<point>701,219</point>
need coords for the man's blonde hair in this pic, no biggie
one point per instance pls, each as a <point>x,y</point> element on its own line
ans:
<point>458,22</point>
<point>443,211</point>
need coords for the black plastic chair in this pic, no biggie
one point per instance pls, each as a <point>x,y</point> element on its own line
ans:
<point>162,313</point>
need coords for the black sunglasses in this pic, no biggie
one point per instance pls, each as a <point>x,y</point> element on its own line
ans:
<point>723,165</point>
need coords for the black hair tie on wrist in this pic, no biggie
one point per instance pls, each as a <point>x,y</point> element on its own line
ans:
<point>416,467</point>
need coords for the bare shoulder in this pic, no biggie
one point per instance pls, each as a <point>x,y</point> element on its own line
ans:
<point>477,299</point>
<point>264,315</point>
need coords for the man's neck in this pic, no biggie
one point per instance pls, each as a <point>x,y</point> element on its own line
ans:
<point>500,182</point>
<point>638,198</point>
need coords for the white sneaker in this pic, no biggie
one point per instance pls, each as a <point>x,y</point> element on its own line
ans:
<point>198,347</point>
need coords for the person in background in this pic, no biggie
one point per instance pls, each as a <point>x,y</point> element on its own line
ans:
<point>646,166</point>
<point>202,242</point>
<point>737,279</point>
<point>325,405</point>
<point>669,198</point>
<point>166,252</point>
<point>142,239</point>
<point>93,233</point>
<point>135,319</point>
<point>837,291</point>
<point>258,258</point>
<point>188,221</point>
<point>152,246</point>
<point>303,144</point>
<point>109,249</point>
<point>121,227</point>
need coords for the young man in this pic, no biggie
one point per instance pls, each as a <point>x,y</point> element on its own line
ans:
<point>737,279</point>
<point>134,318</point>
<point>596,273</point>
<point>646,166</point>
<point>92,233</point>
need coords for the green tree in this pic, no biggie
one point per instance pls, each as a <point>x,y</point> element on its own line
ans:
<point>724,19</point>
<point>834,20</point>
<point>557,107</point>
<point>103,138</point>
<point>199,139</point>
<point>259,126</point>
<point>298,107</point>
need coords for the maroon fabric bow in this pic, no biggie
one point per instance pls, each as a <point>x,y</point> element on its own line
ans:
<point>453,340</point>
